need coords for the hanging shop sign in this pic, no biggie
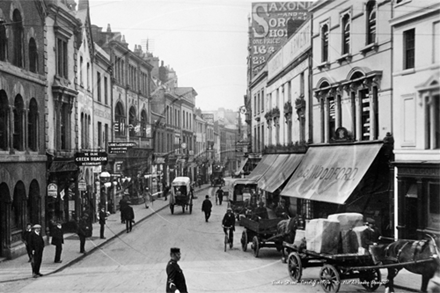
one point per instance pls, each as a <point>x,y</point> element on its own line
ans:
<point>120,147</point>
<point>52,190</point>
<point>91,158</point>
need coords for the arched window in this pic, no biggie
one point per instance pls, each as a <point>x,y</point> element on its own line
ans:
<point>17,32</point>
<point>33,125</point>
<point>371,22</point>
<point>346,34</point>
<point>18,208</point>
<point>34,203</point>
<point>144,123</point>
<point>3,42</point>
<point>119,120</point>
<point>33,56</point>
<point>324,43</point>
<point>18,123</point>
<point>4,118</point>
<point>132,121</point>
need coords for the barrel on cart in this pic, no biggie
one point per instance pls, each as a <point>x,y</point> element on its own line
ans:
<point>262,233</point>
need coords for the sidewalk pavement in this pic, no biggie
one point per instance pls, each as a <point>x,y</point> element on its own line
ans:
<point>20,269</point>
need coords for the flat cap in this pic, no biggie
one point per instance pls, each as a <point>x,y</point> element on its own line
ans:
<point>36,226</point>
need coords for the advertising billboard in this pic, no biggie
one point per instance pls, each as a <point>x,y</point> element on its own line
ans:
<point>272,24</point>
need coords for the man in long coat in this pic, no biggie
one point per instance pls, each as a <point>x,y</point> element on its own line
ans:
<point>175,277</point>
<point>206,208</point>
<point>36,244</point>
<point>128,216</point>
<point>58,240</point>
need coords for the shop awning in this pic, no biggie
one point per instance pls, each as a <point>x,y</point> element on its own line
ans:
<point>63,166</point>
<point>241,167</point>
<point>275,179</point>
<point>272,169</point>
<point>261,168</point>
<point>331,173</point>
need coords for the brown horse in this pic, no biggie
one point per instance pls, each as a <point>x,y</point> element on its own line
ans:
<point>417,256</point>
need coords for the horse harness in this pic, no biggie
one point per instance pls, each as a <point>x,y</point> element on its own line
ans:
<point>416,248</point>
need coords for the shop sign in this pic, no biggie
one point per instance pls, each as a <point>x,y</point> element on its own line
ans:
<point>269,28</point>
<point>82,186</point>
<point>52,190</point>
<point>159,160</point>
<point>120,147</point>
<point>91,158</point>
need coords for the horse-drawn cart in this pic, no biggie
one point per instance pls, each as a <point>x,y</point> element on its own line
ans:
<point>181,194</point>
<point>262,233</point>
<point>338,267</point>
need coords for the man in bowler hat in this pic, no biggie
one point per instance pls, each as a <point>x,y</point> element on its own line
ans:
<point>206,208</point>
<point>175,277</point>
<point>36,244</point>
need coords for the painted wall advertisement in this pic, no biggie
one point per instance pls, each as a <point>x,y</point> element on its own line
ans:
<point>272,22</point>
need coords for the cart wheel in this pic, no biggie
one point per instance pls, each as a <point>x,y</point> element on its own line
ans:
<point>172,209</point>
<point>255,246</point>
<point>190,209</point>
<point>371,279</point>
<point>294,267</point>
<point>244,240</point>
<point>330,278</point>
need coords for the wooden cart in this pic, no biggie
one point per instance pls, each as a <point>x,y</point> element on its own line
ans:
<point>337,267</point>
<point>262,233</point>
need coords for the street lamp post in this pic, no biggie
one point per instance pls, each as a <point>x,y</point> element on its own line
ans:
<point>104,178</point>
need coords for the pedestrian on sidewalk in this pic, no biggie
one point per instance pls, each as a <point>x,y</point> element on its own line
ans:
<point>122,204</point>
<point>206,208</point>
<point>219,194</point>
<point>58,240</point>
<point>102,217</point>
<point>128,215</point>
<point>165,192</point>
<point>84,231</point>
<point>175,277</point>
<point>25,237</point>
<point>36,243</point>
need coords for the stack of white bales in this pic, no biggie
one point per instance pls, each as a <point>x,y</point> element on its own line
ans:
<point>352,230</point>
<point>343,230</point>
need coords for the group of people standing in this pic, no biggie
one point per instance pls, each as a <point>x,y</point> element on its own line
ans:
<point>34,243</point>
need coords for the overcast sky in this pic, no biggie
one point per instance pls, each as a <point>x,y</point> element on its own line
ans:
<point>204,41</point>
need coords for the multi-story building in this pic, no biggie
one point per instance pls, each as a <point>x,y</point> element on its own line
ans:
<point>94,107</point>
<point>187,96</point>
<point>22,121</point>
<point>285,103</point>
<point>342,99</point>
<point>63,38</point>
<point>416,106</point>
<point>131,110</point>
<point>351,116</point>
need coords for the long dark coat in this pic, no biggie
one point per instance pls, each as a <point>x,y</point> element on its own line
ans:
<point>127,213</point>
<point>206,205</point>
<point>57,236</point>
<point>175,276</point>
